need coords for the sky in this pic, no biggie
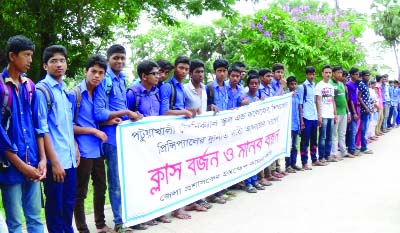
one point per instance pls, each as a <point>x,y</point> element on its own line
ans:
<point>374,55</point>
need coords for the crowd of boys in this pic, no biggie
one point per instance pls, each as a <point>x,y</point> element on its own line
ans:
<point>63,138</point>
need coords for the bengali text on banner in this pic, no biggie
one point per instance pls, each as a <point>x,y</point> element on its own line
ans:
<point>168,162</point>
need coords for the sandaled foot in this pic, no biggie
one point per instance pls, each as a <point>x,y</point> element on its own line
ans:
<point>141,226</point>
<point>258,186</point>
<point>152,222</point>
<point>204,204</point>
<point>265,182</point>
<point>214,199</point>
<point>251,189</point>
<point>195,206</point>
<point>230,193</point>
<point>180,214</point>
<point>118,228</point>
<point>164,219</point>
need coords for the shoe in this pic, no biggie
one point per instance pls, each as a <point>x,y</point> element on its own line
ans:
<point>297,168</point>
<point>367,152</point>
<point>290,170</point>
<point>120,229</point>
<point>319,163</point>
<point>251,189</point>
<point>258,186</point>
<point>306,167</point>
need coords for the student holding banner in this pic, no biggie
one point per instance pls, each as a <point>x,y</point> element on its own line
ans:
<point>110,105</point>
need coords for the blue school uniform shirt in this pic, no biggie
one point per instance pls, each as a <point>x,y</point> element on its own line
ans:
<point>395,96</point>
<point>220,95</point>
<point>275,86</point>
<point>308,102</point>
<point>20,136</point>
<point>234,98</point>
<point>250,98</point>
<point>295,113</point>
<point>267,91</point>
<point>166,94</point>
<point>116,100</point>
<point>149,101</point>
<point>57,122</point>
<point>89,145</point>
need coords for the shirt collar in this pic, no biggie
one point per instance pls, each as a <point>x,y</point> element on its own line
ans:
<point>111,73</point>
<point>83,86</point>
<point>308,82</point>
<point>143,90</point>
<point>52,82</point>
<point>191,87</point>
<point>8,79</point>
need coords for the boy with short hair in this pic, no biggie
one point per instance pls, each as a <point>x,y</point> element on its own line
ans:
<point>291,161</point>
<point>165,68</point>
<point>327,116</point>
<point>26,165</point>
<point>235,91</point>
<point>217,89</point>
<point>364,98</point>
<point>53,123</point>
<point>110,109</point>
<point>343,114</point>
<point>89,139</point>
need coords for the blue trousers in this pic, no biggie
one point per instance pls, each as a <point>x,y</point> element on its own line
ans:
<point>325,138</point>
<point>352,132</point>
<point>114,188</point>
<point>364,129</point>
<point>309,139</point>
<point>60,201</point>
<point>251,180</point>
<point>25,196</point>
<point>292,159</point>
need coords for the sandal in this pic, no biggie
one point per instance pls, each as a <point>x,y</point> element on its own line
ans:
<point>164,219</point>
<point>214,199</point>
<point>141,226</point>
<point>152,222</point>
<point>265,182</point>
<point>179,213</point>
<point>118,228</point>
<point>204,204</point>
<point>230,193</point>
<point>105,229</point>
<point>251,189</point>
<point>195,206</point>
<point>259,186</point>
<point>226,197</point>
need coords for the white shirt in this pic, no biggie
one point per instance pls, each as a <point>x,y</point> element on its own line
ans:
<point>193,99</point>
<point>327,92</point>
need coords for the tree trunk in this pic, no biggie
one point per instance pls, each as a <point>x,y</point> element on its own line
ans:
<point>394,46</point>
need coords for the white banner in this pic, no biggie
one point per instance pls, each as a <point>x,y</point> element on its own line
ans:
<point>168,162</point>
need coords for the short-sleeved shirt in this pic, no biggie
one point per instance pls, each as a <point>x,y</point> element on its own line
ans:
<point>373,99</point>
<point>220,95</point>
<point>250,98</point>
<point>143,101</point>
<point>340,97</point>
<point>267,91</point>
<point>89,145</point>
<point>352,89</point>
<point>193,99</point>
<point>327,93</point>
<point>308,101</point>
<point>234,97</point>
<point>166,95</point>
<point>364,89</point>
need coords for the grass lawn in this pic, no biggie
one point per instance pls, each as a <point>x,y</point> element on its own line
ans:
<point>88,202</point>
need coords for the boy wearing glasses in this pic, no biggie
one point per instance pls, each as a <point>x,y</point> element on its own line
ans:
<point>53,126</point>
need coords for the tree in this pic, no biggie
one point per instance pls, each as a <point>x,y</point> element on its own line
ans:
<point>386,23</point>
<point>298,34</point>
<point>87,26</point>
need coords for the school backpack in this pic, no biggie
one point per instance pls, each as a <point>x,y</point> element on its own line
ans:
<point>78,100</point>
<point>304,93</point>
<point>139,95</point>
<point>6,97</point>
<point>172,100</point>
<point>45,89</point>
<point>210,94</point>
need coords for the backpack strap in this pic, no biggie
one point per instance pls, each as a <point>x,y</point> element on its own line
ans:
<point>172,99</point>
<point>139,95</point>
<point>108,90</point>
<point>259,93</point>
<point>30,88</point>
<point>210,93</point>
<point>78,99</point>
<point>304,93</point>
<point>5,96</point>
<point>45,89</point>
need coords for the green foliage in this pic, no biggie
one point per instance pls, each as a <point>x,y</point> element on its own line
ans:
<point>386,23</point>
<point>298,35</point>
<point>86,27</point>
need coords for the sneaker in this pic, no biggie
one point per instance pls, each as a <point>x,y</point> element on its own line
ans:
<point>290,170</point>
<point>258,186</point>
<point>251,189</point>
<point>367,152</point>
<point>297,168</point>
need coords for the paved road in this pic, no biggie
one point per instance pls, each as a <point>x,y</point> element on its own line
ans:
<point>360,195</point>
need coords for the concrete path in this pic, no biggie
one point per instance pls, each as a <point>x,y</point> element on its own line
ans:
<point>360,195</point>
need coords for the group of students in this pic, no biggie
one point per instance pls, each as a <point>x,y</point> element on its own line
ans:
<point>63,138</point>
